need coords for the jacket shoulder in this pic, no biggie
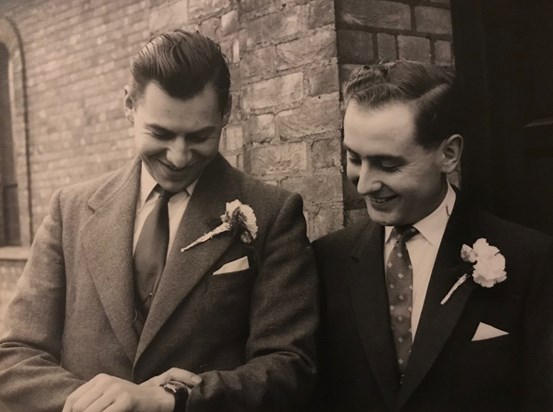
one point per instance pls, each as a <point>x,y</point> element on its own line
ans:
<point>107,184</point>
<point>510,234</point>
<point>340,242</point>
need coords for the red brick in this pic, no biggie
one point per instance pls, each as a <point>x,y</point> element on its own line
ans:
<point>229,23</point>
<point>259,62</point>
<point>282,159</point>
<point>250,5</point>
<point>261,128</point>
<point>375,13</point>
<point>319,189</point>
<point>323,79</point>
<point>326,153</point>
<point>414,48</point>
<point>387,48</point>
<point>283,90</point>
<point>432,20</point>
<point>210,27</point>
<point>199,8</point>
<point>275,26</point>
<point>316,47</point>
<point>315,115</point>
<point>355,47</point>
<point>233,137</point>
<point>442,53</point>
<point>320,13</point>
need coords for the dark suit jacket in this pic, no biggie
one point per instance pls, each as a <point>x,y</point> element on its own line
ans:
<point>446,370</point>
<point>249,334</point>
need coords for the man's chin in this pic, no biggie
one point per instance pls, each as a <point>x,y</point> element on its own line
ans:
<point>382,218</point>
<point>175,187</point>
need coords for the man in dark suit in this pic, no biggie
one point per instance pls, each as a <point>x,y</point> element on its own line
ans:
<point>431,305</point>
<point>127,305</point>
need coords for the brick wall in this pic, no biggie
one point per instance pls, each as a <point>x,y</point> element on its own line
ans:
<point>285,121</point>
<point>287,58</point>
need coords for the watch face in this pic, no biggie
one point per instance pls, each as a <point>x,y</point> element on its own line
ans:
<point>173,386</point>
<point>170,387</point>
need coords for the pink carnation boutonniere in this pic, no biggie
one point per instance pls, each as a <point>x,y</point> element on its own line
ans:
<point>488,266</point>
<point>239,219</point>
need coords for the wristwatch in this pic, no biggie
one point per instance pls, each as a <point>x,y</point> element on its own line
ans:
<point>179,391</point>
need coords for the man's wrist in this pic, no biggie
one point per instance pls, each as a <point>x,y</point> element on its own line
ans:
<point>179,391</point>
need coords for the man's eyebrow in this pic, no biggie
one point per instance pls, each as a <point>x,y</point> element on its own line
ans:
<point>159,128</point>
<point>377,158</point>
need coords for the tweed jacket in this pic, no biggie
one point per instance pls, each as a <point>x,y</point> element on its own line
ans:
<point>249,334</point>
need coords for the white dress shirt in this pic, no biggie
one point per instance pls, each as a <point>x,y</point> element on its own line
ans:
<point>423,249</point>
<point>147,200</point>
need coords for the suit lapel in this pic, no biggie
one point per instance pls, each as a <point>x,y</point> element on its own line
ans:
<point>107,240</point>
<point>185,269</point>
<point>370,306</point>
<point>438,321</point>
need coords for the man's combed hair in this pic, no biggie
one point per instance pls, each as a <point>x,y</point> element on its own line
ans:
<point>427,88</point>
<point>182,63</point>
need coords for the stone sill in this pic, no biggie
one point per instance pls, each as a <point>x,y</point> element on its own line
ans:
<point>17,253</point>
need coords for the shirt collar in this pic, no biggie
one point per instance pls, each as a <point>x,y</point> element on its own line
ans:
<point>432,227</point>
<point>148,184</point>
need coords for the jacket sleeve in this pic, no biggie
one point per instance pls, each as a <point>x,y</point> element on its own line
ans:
<point>31,377</point>
<point>280,370</point>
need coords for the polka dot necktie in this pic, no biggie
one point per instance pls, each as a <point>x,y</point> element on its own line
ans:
<point>399,279</point>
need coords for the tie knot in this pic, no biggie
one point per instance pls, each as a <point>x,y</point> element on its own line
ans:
<point>404,233</point>
<point>164,194</point>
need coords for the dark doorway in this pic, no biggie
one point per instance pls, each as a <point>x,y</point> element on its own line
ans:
<point>504,63</point>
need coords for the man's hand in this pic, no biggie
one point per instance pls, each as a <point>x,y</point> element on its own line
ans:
<point>110,394</point>
<point>174,374</point>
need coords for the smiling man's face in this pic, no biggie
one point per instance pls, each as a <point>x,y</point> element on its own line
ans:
<point>400,180</point>
<point>176,139</point>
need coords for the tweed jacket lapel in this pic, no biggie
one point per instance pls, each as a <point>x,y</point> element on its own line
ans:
<point>107,240</point>
<point>370,307</point>
<point>184,270</point>
<point>438,321</point>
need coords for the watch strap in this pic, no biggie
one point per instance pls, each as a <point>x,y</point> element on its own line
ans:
<point>179,391</point>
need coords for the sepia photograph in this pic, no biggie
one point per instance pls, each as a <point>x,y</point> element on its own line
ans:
<point>276,205</point>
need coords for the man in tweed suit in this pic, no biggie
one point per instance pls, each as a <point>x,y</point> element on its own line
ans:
<point>225,323</point>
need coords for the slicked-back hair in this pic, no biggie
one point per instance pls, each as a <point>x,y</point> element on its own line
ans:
<point>427,89</point>
<point>181,63</point>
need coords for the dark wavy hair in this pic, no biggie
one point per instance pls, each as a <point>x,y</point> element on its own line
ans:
<point>182,63</point>
<point>427,88</point>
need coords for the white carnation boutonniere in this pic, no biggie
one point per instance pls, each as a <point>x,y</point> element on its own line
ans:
<point>239,219</point>
<point>488,266</point>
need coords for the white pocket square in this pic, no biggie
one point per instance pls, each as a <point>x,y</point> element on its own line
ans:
<point>234,266</point>
<point>485,331</point>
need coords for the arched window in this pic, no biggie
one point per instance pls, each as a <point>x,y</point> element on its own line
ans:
<point>15,185</point>
<point>9,211</point>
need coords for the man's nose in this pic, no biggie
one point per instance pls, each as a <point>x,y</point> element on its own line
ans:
<point>369,180</point>
<point>178,152</point>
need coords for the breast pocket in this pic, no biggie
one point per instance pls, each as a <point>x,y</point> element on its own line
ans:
<point>228,302</point>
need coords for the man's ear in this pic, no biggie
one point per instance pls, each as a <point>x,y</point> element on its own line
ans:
<point>128,105</point>
<point>451,151</point>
